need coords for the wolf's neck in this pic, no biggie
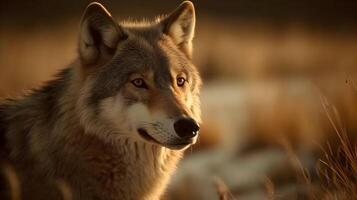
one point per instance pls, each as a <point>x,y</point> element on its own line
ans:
<point>124,168</point>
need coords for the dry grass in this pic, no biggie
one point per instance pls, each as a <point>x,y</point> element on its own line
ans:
<point>338,166</point>
<point>335,174</point>
<point>336,169</point>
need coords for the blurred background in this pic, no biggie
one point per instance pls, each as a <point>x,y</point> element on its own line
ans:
<point>279,96</point>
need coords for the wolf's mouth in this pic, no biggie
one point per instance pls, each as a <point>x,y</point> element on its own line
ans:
<point>144,134</point>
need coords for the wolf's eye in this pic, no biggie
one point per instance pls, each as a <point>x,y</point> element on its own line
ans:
<point>181,81</point>
<point>139,83</point>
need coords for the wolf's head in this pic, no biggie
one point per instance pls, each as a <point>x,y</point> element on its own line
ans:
<point>137,79</point>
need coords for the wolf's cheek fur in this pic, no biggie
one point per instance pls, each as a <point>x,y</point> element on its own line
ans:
<point>112,109</point>
<point>157,124</point>
<point>137,116</point>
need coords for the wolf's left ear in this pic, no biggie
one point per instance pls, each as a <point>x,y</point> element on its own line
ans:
<point>99,34</point>
<point>180,26</point>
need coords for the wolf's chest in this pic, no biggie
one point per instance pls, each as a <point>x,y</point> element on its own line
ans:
<point>131,171</point>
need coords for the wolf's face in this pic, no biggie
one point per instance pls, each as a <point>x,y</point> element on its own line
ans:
<point>138,81</point>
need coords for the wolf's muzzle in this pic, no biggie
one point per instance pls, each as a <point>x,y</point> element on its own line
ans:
<point>186,128</point>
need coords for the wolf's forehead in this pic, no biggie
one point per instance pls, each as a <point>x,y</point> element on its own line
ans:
<point>149,51</point>
<point>150,33</point>
<point>140,56</point>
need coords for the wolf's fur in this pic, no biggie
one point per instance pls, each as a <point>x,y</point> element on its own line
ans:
<point>80,131</point>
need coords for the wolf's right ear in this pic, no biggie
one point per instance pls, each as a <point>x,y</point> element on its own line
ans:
<point>99,34</point>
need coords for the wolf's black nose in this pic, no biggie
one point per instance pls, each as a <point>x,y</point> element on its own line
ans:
<point>186,128</point>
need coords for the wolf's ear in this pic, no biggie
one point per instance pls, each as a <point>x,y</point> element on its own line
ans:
<point>99,34</point>
<point>180,26</point>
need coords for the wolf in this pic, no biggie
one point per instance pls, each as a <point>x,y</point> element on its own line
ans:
<point>115,122</point>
